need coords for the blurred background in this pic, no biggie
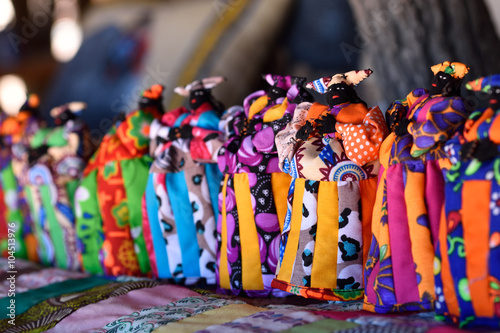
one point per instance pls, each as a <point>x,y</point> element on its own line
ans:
<point>105,52</point>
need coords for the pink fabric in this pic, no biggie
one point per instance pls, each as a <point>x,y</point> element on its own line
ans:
<point>403,266</point>
<point>371,297</point>
<point>434,195</point>
<point>96,315</point>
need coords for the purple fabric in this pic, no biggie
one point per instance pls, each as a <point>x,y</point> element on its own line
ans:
<point>405,280</point>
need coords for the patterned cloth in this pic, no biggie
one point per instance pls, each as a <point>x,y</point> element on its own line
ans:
<point>410,196</point>
<point>48,313</point>
<point>51,187</point>
<point>147,320</point>
<point>180,202</point>
<point>468,251</point>
<point>329,202</point>
<point>108,200</point>
<point>15,133</point>
<point>253,199</point>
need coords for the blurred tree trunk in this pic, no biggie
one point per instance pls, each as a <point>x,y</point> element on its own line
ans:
<point>401,39</point>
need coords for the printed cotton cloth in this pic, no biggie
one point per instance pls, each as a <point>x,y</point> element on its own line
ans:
<point>253,198</point>
<point>108,200</point>
<point>410,195</point>
<point>329,202</point>
<point>180,202</point>
<point>468,252</point>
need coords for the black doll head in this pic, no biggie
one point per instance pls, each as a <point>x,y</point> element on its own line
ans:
<point>64,113</point>
<point>200,92</point>
<point>339,88</point>
<point>152,98</point>
<point>339,93</point>
<point>447,78</point>
<point>278,86</point>
<point>445,84</point>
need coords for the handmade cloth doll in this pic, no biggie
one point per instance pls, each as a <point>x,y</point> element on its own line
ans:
<point>57,158</point>
<point>180,202</point>
<point>108,201</point>
<point>15,133</point>
<point>410,194</point>
<point>331,153</point>
<point>468,252</point>
<point>252,201</point>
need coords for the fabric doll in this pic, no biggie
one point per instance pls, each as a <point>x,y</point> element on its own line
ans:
<point>410,194</point>
<point>108,201</point>
<point>57,158</point>
<point>16,132</point>
<point>252,201</point>
<point>468,252</point>
<point>180,202</point>
<point>331,153</point>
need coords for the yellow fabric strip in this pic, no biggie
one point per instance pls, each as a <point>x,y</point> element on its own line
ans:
<point>324,267</point>
<point>251,271</point>
<point>257,106</point>
<point>207,43</point>
<point>276,112</point>
<point>280,183</point>
<point>208,318</point>
<point>286,269</point>
<point>420,236</point>
<point>223,269</point>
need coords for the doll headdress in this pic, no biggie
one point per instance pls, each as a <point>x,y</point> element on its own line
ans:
<point>73,107</point>
<point>351,78</point>
<point>484,83</point>
<point>206,83</point>
<point>284,82</point>
<point>455,69</point>
<point>32,103</point>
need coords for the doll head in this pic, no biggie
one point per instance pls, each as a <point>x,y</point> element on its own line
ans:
<point>447,78</point>
<point>152,98</point>
<point>64,113</point>
<point>200,91</point>
<point>278,86</point>
<point>339,88</point>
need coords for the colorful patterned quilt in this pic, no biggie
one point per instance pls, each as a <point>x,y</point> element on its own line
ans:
<point>37,299</point>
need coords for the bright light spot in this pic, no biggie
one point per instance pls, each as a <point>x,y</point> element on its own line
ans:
<point>7,13</point>
<point>12,93</point>
<point>65,39</point>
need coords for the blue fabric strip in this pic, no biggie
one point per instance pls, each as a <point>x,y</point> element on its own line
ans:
<point>179,120</point>
<point>186,230</point>
<point>214,178</point>
<point>159,243</point>
<point>209,120</point>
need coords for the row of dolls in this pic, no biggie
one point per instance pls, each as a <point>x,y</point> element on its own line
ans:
<point>280,195</point>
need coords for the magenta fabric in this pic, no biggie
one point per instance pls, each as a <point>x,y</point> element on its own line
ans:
<point>97,315</point>
<point>434,184</point>
<point>405,284</point>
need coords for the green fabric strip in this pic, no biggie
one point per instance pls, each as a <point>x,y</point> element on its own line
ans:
<point>9,184</point>
<point>89,224</point>
<point>322,326</point>
<point>135,174</point>
<point>41,247</point>
<point>56,232</point>
<point>26,300</point>
<point>71,187</point>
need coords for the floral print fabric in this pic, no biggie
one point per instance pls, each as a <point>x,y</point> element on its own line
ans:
<point>410,196</point>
